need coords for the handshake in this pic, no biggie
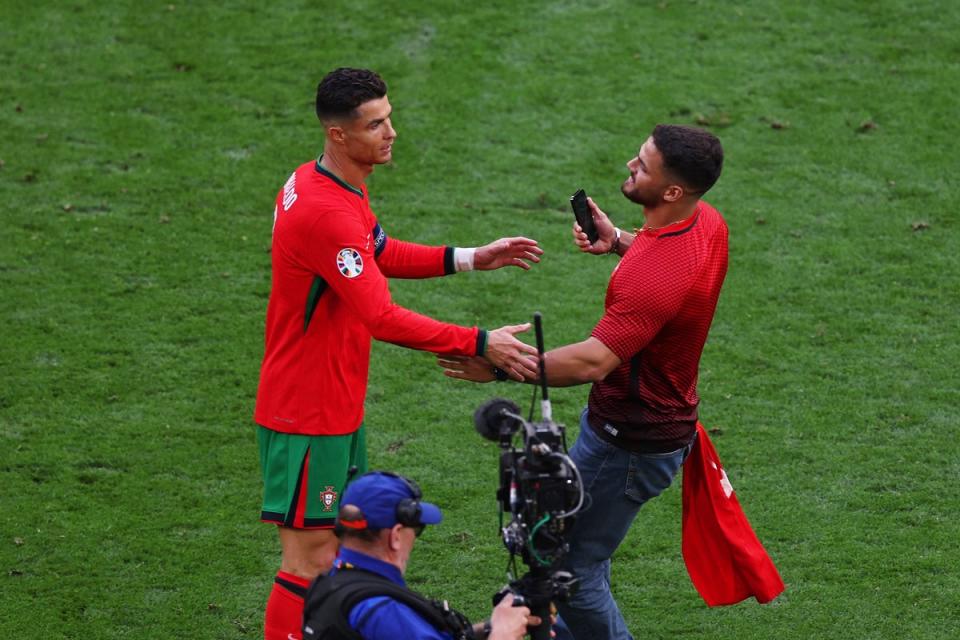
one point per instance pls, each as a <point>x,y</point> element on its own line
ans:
<point>506,357</point>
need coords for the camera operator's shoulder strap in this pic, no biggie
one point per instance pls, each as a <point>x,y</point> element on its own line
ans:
<point>327,606</point>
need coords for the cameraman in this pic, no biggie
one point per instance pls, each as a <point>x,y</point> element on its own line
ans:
<point>364,595</point>
<point>642,357</point>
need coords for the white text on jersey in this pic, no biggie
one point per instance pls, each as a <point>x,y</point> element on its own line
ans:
<point>289,192</point>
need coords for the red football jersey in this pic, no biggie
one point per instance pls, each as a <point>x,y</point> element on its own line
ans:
<point>658,310</point>
<point>726,561</point>
<point>329,296</point>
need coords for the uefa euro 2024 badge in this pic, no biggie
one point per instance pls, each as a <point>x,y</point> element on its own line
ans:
<point>349,263</point>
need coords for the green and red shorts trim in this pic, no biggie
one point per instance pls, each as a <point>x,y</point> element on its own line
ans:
<point>304,476</point>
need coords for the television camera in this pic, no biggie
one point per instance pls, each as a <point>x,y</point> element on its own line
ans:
<point>541,490</point>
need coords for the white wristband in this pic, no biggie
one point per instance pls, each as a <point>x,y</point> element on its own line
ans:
<point>463,258</point>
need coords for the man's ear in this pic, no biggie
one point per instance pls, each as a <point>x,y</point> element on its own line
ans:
<point>673,193</point>
<point>335,133</point>
<point>394,539</point>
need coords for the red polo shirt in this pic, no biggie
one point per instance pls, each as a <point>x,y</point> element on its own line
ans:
<point>658,310</point>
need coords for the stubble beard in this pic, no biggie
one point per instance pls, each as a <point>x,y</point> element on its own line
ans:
<point>636,196</point>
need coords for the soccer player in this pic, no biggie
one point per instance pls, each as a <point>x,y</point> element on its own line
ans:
<point>329,297</point>
<point>642,357</point>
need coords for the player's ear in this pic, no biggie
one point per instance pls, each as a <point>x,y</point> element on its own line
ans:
<point>334,133</point>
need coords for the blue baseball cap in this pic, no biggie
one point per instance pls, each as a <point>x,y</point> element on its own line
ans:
<point>378,495</point>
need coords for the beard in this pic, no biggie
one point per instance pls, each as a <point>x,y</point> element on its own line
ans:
<point>634,194</point>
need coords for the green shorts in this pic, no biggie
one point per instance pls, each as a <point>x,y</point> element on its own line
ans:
<point>303,476</point>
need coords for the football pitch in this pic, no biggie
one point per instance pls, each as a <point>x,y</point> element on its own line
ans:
<point>142,145</point>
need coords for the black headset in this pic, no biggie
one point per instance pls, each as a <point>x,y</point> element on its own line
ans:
<point>408,510</point>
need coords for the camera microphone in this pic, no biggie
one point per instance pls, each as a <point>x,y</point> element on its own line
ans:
<point>546,412</point>
<point>496,418</point>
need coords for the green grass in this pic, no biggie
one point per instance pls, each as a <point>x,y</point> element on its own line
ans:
<point>142,147</point>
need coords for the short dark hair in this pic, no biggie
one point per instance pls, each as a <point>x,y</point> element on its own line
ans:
<point>343,90</point>
<point>692,155</point>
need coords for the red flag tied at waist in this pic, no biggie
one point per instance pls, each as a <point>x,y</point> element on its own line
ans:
<point>724,558</point>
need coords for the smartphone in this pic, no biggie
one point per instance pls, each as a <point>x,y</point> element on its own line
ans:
<point>584,217</point>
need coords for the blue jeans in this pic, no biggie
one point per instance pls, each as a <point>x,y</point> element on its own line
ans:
<point>618,482</point>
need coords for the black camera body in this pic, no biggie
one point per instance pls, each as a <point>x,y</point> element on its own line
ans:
<point>541,490</point>
<point>538,487</point>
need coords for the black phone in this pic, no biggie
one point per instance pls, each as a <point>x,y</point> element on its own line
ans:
<point>584,217</point>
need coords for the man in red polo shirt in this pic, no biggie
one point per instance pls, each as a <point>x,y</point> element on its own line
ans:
<point>642,357</point>
<point>329,297</point>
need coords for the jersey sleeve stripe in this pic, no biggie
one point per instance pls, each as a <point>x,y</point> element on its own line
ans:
<point>481,341</point>
<point>449,266</point>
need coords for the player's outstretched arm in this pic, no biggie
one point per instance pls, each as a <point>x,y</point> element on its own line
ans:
<point>507,252</point>
<point>608,241</point>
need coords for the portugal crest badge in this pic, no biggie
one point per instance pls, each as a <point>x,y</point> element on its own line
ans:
<point>329,497</point>
<point>349,263</point>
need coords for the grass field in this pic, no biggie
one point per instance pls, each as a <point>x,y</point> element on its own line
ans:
<point>143,144</point>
